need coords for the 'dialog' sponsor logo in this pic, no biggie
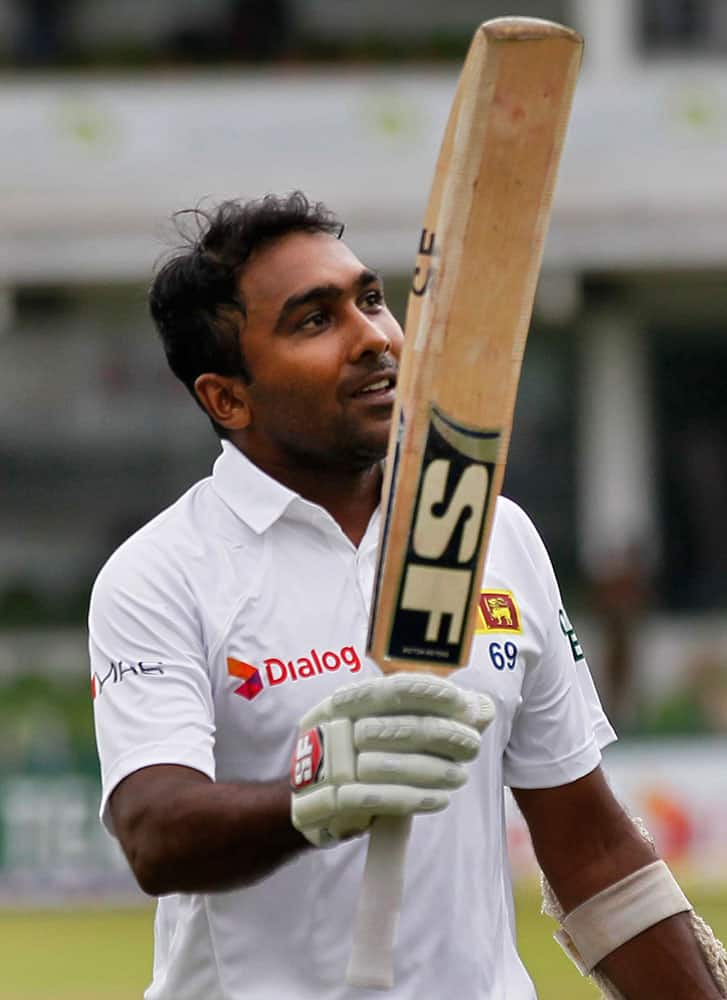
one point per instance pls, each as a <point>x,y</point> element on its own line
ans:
<point>275,671</point>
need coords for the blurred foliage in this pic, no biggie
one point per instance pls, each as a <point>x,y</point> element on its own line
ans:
<point>24,604</point>
<point>439,46</point>
<point>697,705</point>
<point>679,714</point>
<point>46,726</point>
<point>228,47</point>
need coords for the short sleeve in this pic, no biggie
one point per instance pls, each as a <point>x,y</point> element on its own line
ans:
<point>560,727</point>
<point>149,680</point>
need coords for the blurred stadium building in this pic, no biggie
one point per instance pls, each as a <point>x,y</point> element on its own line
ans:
<point>114,115</point>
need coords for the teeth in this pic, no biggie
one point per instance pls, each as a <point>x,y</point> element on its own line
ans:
<point>375,386</point>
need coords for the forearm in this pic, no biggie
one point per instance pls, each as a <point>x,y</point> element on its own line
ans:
<point>184,833</point>
<point>585,844</point>
<point>663,961</point>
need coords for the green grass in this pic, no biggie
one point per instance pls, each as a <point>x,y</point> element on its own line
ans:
<point>79,954</point>
<point>105,954</point>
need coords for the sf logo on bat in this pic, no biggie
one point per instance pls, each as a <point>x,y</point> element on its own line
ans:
<point>438,580</point>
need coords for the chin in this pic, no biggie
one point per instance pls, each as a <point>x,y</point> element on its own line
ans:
<point>364,454</point>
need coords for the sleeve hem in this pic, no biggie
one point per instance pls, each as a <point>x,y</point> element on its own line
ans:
<point>604,732</point>
<point>147,756</point>
<point>548,774</point>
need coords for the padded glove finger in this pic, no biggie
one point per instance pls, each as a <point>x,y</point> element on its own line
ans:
<point>404,693</point>
<point>416,769</point>
<point>417,734</point>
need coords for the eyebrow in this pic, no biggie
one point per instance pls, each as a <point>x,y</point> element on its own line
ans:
<point>320,293</point>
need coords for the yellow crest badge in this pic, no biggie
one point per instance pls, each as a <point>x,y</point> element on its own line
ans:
<point>498,612</point>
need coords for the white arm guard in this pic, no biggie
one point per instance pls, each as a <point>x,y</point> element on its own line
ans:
<point>393,746</point>
<point>621,911</point>
<point>609,919</point>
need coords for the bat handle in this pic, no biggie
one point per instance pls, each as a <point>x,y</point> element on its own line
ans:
<point>379,903</point>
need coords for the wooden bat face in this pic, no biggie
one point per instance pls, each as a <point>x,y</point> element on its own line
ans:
<point>467,321</point>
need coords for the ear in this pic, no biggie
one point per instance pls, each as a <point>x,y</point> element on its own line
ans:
<point>225,399</point>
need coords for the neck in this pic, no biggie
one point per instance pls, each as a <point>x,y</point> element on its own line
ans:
<point>350,498</point>
<point>349,495</point>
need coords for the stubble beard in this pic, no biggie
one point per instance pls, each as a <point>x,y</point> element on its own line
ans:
<point>347,451</point>
<point>338,444</point>
<point>349,456</point>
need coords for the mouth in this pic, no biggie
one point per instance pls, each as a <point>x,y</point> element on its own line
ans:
<point>379,387</point>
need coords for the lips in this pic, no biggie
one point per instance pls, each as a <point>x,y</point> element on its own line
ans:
<point>377,383</point>
<point>381,385</point>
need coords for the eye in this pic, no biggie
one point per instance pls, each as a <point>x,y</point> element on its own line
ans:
<point>372,299</point>
<point>314,321</point>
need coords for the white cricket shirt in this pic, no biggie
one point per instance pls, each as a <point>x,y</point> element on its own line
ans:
<point>229,615</point>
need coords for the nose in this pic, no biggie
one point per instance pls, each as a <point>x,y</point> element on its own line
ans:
<point>368,337</point>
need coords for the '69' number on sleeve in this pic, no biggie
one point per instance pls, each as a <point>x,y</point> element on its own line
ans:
<point>503,654</point>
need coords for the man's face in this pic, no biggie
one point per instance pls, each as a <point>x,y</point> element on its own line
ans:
<point>322,349</point>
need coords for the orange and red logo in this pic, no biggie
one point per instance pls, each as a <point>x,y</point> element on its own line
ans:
<point>252,683</point>
<point>498,612</point>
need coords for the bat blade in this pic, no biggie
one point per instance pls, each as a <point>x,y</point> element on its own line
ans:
<point>467,321</point>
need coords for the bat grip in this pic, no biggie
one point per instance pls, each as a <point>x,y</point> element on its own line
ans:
<point>377,914</point>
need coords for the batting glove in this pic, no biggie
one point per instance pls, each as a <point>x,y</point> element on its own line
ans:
<point>392,746</point>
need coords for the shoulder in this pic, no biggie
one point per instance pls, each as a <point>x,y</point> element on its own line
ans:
<point>518,557</point>
<point>162,552</point>
<point>514,531</point>
<point>508,514</point>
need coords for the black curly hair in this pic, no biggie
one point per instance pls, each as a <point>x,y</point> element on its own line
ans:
<point>195,299</point>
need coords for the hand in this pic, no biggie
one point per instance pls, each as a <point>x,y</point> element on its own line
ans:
<point>391,746</point>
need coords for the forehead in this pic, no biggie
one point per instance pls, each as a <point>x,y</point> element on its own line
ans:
<point>297,262</point>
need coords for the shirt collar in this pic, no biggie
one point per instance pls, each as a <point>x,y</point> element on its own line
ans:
<point>259,500</point>
<point>256,498</point>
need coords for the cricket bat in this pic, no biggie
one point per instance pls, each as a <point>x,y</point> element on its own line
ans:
<point>467,320</point>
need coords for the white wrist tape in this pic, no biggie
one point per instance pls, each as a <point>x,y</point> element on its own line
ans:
<point>607,920</point>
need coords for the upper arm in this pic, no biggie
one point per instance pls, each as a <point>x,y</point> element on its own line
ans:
<point>142,807</point>
<point>151,688</point>
<point>146,793</point>
<point>583,838</point>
